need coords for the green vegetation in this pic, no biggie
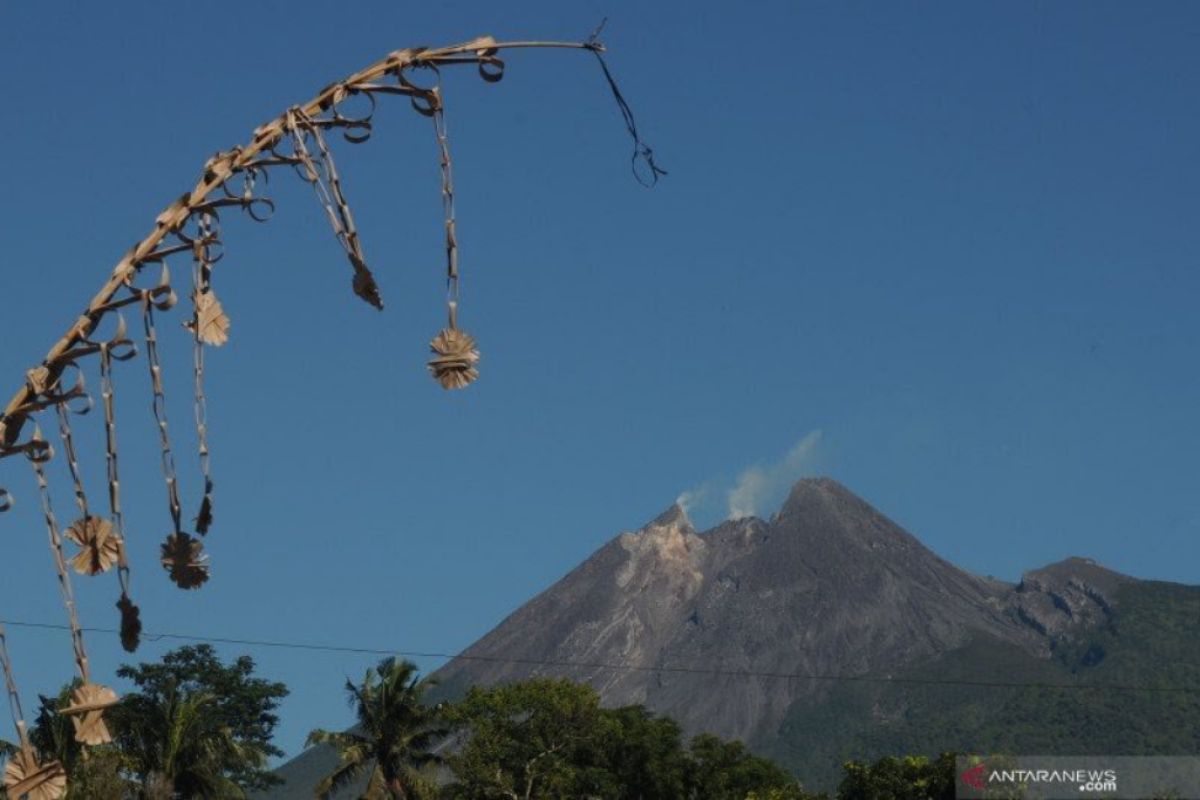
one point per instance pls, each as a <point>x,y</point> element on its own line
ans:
<point>1147,645</point>
<point>547,738</point>
<point>197,725</point>
<point>193,727</point>
<point>394,737</point>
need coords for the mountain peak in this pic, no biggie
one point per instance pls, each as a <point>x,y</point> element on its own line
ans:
<point>674,516</point>
<point>820,489</point>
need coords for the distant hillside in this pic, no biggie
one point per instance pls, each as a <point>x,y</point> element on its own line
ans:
<point>1149,641</point>
<point>831,587</point>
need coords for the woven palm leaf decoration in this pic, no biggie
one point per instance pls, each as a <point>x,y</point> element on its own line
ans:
<point>90,700</point>
<point>100,546</point>
<point>184,560</point>
<point>119,348</point>
<point>86,711</point>
<point>212,325</point>
<point>456,356</point>
<point>100,549</point>
<point>25,775</point>
<point>297,140</point>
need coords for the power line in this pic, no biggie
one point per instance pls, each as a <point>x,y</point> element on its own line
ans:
<point>715,672</point>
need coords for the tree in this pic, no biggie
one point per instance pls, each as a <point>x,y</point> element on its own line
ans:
<point>393,739</point>
<point>643,756</point>
<point>197,727</point>
<point>526,741</point>
<point>728,771</point>
<point>180,746</point>
<point>543,739</point>
<point>892,778</point>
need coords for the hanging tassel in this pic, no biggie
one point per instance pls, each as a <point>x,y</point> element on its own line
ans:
<point>131,624</point>
<point>204,518</point>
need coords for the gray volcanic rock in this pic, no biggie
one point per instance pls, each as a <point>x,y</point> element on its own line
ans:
<point>1067,598</point>
<point>829,586</point>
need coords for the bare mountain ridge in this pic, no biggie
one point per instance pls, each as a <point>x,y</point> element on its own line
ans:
<point>828,586</point>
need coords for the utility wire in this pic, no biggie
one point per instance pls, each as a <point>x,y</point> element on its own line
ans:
<point>811,676</point>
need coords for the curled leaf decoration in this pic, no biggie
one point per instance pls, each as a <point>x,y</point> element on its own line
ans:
<point>211,324</point>
<point>184,560</point>
<point>454,367</point>
<point>131,624</point>
<point>86,711</point>
<point>101,547</point>
<point>24,776</point>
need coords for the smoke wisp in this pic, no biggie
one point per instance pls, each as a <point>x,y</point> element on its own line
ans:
<point>761,484</point>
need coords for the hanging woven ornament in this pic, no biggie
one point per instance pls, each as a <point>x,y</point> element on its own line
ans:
<point>454,367</point>
<point>89,700</point>
<point>182,554</point>
<point>100,546</point>
<point>209,326</point>
<point>131,623</point>
<point>24,775</point>
<point>211,323</point>
<point>121,349</point>
<point>328,186</point>
<point>86,711</point>
<point>184,559</point>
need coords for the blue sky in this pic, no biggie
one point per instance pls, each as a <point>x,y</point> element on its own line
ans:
<point>942,252</point>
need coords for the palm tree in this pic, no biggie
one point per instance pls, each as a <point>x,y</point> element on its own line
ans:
<point>178,744</point>
<point>393,739</point>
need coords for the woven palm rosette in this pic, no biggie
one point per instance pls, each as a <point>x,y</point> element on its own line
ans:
<point>456,355</point>
<point>184,560</point>
<point>100,547</point>
<point>86,711</point>
<point>25,777</point>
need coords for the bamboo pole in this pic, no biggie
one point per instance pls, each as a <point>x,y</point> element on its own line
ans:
<point>219,169</point>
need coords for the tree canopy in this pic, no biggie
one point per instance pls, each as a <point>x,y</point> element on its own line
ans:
<point>193,716</point>
<point>548,738</point>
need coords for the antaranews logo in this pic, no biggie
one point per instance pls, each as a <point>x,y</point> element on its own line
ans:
<point>1077,777</point>
<point>975,777</point>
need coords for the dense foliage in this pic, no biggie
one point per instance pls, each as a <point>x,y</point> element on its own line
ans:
<point>192,727</point>
<point>197,726</point>
<point>546,738</point>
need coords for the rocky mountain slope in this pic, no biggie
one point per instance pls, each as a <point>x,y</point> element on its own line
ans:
<point>827,587</point>
<point>828,632</point>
